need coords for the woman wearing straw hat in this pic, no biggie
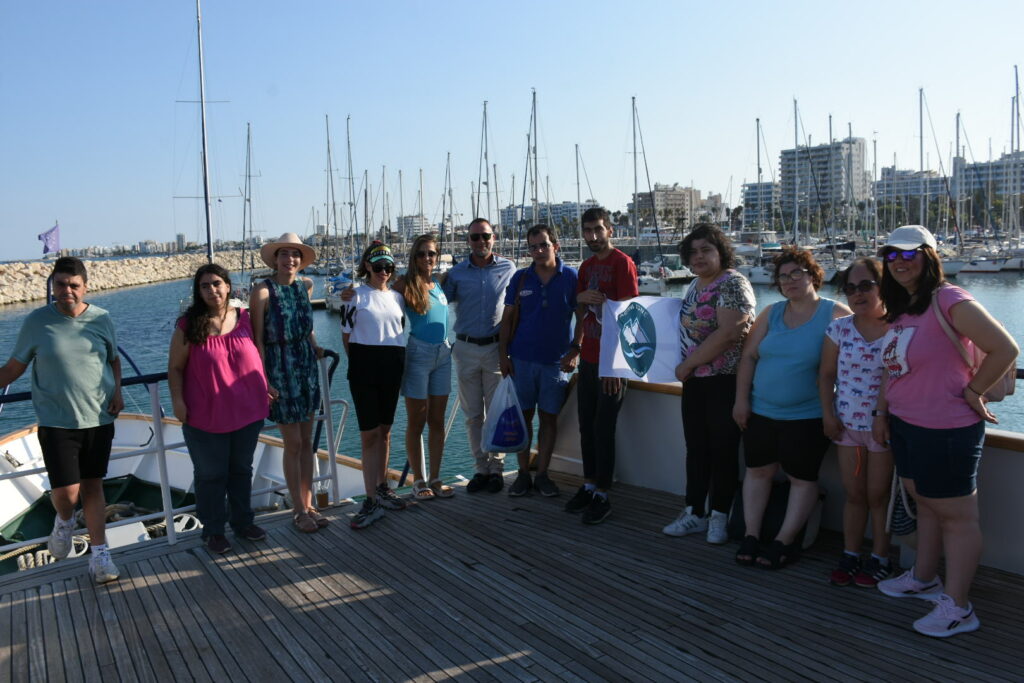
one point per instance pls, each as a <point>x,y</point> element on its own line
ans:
<point>282,321</point>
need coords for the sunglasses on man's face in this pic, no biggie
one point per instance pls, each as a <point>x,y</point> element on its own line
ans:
<point>477,236</point>
<point>906,255</point>
<point>849,289</point>
<point>384,267</point>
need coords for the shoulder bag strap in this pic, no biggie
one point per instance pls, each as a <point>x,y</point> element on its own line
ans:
<point>948,329</point>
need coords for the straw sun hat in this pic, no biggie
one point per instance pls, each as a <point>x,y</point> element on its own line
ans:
<point>268,252</point>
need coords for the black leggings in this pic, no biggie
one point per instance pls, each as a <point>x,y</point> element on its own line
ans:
<point>598,413</point>
<point>712,442</point>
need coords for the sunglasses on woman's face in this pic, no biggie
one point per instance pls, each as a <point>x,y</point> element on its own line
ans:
<point>906,255</point>
<point>426,254</point>
<point>849,289</point>
<point>384,267</point>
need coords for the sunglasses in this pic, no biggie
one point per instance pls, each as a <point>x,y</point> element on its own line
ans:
<point>384,267</point>
<point>908,255</point>
<point>426,254</point>
<point>477,236</point>
<point>863,286</point>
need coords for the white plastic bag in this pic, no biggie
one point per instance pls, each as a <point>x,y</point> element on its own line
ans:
<point>505,428</point>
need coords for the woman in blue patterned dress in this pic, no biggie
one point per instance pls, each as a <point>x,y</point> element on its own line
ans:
<point>282,321</point>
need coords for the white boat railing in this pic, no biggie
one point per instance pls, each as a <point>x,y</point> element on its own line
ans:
<point>159,448</point>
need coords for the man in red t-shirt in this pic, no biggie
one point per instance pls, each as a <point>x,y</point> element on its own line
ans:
<point>608,274</point>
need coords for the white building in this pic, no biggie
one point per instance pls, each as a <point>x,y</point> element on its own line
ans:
<point>557,216</point>
<point>824,178</point>
<point>411,226</point>
<point>671,204</point>
<point>759,200</point>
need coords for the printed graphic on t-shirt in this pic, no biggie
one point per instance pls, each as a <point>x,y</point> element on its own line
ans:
<point>859,373</point>
<point>894,355</point>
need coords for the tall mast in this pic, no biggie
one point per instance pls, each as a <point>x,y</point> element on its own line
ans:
<point>247,198</point>
<point>874,179</point>
<point>483,172</point>
<point>536,167</point>
<point>849,175</point>
<point>636,186</point>
<point>760,198</point>
<point>333,204</point>
<point>796,175</point>
<point>579,215</point>
<point>401,207</point>
<point>366,204</point>
<point>353,223</point>
<point>420,196</point>
<point>385,218</point>
<point>920,130</point>
<point>202,118</point>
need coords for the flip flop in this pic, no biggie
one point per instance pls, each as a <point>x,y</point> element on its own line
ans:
<point>420,490</point>
<point>440,489</point>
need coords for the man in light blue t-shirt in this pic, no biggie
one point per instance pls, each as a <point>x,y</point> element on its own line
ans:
<point>76,393</point>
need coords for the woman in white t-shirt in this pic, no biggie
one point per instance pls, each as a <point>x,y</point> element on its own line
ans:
<point>372,332</point>
<point>850,377</point>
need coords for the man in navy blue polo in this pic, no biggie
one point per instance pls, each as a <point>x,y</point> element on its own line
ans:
<point>536,347</point>
<point>475,285</point>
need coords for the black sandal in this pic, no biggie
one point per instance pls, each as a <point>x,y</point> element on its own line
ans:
<point>749,550</point>
<point>778,555</point>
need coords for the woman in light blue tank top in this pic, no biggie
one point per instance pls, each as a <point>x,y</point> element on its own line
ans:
<point>427,380</point>
<point>778,408</point>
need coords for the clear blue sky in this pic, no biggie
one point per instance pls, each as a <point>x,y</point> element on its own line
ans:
<point>91,134</point>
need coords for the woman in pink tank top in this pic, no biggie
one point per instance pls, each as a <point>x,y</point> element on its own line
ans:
<point>219,392</point>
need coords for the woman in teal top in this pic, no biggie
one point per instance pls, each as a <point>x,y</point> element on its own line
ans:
<point>778,408</point>
<point>427,380</point>
<point>282,324</point>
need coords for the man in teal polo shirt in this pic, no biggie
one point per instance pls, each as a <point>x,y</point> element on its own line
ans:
<point>76,393</point>
<point>536,347</point>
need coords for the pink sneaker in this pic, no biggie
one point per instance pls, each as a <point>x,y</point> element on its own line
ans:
<point>906,586</point>
<point>947,619</point>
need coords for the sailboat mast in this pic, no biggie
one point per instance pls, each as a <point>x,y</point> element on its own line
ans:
<point>202,118</point>
<point>330,189</point>
<point>420,198</point>
<point>636,186</point>
<point>920,131</point>
<point>401,207</point>
<point>796,175</point>
<point>247,199</point>
<point>536,166</point>
<point>579,215</point>
<point>760,198</point>
<point>353,227</point>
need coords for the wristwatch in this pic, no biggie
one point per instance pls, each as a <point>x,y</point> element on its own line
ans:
<point>574,345</point>
<point>878,413</point>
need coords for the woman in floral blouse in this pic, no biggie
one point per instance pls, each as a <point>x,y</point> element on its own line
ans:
<point>715,316</point>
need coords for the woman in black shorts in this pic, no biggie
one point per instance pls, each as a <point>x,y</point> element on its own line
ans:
<point>372,331</point>
<point>778,408</point>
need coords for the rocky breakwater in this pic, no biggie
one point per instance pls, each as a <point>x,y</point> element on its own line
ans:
<point>27,281</point>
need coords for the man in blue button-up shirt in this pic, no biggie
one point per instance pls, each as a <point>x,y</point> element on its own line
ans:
<point>476,286</point>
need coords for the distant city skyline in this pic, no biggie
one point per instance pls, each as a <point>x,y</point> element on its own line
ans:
<point>98,129</point>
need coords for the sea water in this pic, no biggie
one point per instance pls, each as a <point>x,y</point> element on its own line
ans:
<point>144,317</point>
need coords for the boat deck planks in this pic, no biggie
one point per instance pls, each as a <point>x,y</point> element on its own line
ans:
<point>484,588</point>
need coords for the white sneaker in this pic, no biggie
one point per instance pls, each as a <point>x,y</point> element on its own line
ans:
<point>59,544</point>
<point>717,531</point>
<point>102,568</point>
<point>686,523</point>
<point>906,586</point>
<point>947,619</point>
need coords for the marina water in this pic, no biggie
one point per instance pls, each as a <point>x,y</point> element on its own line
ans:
<point>144,317</point>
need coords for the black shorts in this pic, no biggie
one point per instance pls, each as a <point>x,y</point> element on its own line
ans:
<point>374,379</point>
<point>72,455</point>
<point>798,445</point>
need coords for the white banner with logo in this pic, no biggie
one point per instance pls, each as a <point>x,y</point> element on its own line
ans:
<point>640,339</point>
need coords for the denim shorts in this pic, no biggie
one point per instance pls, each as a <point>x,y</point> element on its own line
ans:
<point>943,463</point>
<point>428,369</point>
<point>539,385</point>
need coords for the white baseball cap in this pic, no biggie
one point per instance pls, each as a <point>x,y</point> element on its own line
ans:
<point>909,237</point>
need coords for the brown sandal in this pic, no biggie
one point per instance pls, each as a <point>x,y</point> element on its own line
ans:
<point>304,523</point>
<point>317,518</point>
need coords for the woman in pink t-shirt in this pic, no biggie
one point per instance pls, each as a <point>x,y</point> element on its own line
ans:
<point>932,413</point>
<point>219,392</point>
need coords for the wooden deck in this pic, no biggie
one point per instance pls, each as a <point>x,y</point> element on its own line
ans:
<point>484,587</point>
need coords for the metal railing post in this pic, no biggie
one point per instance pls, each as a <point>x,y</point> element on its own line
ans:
<point>332,452</point>
<point>161,461</point>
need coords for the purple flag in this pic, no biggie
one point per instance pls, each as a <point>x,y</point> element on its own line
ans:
<point>51,240</point>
